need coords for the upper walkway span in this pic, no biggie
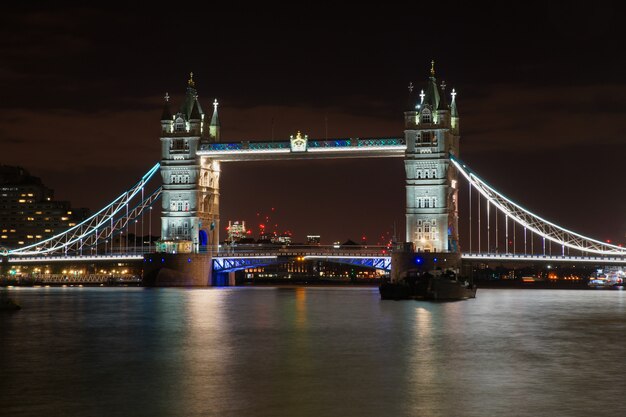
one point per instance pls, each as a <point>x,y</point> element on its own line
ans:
<point>306,149</point>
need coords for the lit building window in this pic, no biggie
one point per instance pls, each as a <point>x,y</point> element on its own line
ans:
<point>180,125</point>
<point>426,116</point>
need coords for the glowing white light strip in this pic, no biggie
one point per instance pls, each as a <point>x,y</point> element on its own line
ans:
<point>547,258</point>
<point>244,151</point>
<point>76,258</point>
<point>479,184</point>
<point>359,148</point>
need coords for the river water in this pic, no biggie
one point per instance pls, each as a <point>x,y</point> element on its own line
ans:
<point>311,352</point>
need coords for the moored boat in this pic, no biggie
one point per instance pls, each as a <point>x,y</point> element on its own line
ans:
<point>434,285</point>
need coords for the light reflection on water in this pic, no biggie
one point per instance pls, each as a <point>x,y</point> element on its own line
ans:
<point>311,352</point>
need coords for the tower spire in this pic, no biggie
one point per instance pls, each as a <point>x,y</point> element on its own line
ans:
<point>432,68</point>
<point>167,113</point>
<point>453,110</point>
<point>214,127</point>
<point>190,81</point>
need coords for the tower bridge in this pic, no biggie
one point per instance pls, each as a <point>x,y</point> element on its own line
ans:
<point>192,149</point>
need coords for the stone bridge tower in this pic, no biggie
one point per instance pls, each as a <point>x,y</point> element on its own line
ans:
<point>190,198</point>
<point>432,135</point>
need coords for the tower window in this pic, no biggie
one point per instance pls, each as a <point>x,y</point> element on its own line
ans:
<point>180,125</point>
<point>426,116</point>
<point>425,139</point>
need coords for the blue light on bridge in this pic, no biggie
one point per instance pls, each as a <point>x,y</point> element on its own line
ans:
<point>418,260</point>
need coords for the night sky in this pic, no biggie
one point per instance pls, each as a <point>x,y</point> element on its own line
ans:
<point>541,96</point>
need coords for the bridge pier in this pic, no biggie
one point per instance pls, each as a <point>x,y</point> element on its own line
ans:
<point>404,258</point>
<point>177,270</point>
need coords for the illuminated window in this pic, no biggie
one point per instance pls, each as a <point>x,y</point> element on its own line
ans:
<point>180,125</point>
<point>426,116</point>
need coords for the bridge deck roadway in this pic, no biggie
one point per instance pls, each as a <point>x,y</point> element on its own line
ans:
<point>309,253</point>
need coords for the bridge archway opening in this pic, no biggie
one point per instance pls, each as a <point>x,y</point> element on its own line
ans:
<point>203,238</point>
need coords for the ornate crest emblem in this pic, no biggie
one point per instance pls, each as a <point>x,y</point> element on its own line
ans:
<point>299,143</point>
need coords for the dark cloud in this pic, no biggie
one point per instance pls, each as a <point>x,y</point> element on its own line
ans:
<point>541,91</point>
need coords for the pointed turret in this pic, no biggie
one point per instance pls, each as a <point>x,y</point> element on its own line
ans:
<point>454,113</point>
<point>195,118</point>
<point>431,96</point>
<point>214,128</point>
<point>167,112</point>
<point>191,97</point>
<point>443,102</point>
<point>167,120</point>
<point>453,110</point>
<point>195,111</point>
<point>411,104</point>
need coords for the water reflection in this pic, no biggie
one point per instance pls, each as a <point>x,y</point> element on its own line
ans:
<point>311,352</point>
